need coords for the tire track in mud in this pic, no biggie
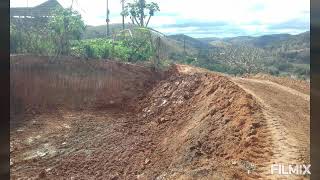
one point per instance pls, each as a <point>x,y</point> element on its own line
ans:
<point>287,114</point>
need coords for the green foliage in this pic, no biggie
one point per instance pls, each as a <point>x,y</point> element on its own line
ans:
<point>61,34</point>
<point>65,25</point>
<point>273,71</point>
<point>14,41</point>
<point>137,11</point>
<point>46,36</point>
<point>140,44</point>
<point>189,60</point>
<point>92,32</point>
<point>127,48</point>
<point>30,40</point>
<point>92,48</point>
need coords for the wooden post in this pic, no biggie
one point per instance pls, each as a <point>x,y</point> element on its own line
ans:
<point>122,1</point>
<point>107,20</point>
<point>184,45</point>
<point>158,52</point>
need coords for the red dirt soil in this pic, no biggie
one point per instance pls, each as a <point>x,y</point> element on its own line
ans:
<point>296,84</point>
<point>184,123</point>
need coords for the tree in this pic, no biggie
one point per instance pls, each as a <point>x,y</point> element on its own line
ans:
<point>13,38</point>
<point>65,25</point>
<point>243,58</point>
<point>137,13</point>
<point>140,44</point>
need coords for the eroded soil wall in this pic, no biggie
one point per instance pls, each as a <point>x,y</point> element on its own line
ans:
<point>120,121</point>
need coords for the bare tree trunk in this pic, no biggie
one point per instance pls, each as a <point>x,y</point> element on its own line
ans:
<point>142,4</point>
<point>122,1</point>
<point>132,20</point>
<point>136,20</point>
<point>107,18</point>
<point>148,21</point>
<point>184,45</point>
<point>158,53</point>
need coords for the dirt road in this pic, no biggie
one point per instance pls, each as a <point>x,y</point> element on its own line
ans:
<point>189,124</point>
<point>287,114</point>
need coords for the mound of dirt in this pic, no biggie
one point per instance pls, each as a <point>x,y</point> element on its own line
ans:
<point>203,123</point>
<point>183,125</point>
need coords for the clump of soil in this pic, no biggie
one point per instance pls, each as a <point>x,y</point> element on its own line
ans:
<point>203,122</point>
<point>197,125</point>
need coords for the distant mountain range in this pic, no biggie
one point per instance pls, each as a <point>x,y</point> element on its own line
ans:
<point>101,31</point>
<point>265,41</point>
<point>279,53</point>
<point>294,47</point>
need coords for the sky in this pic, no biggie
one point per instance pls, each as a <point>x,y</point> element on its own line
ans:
<point>204,18</point>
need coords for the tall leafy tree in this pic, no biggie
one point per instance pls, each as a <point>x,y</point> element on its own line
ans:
<point>139,11</point>
<point>65,25</point>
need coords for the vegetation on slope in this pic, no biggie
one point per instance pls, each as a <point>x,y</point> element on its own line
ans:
<point>65,34</point>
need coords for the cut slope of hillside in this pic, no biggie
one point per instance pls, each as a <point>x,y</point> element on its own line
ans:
<point>190,124</point>
<point>183,123</point>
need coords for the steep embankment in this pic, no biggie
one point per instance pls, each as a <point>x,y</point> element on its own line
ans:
<point>188,124</point>
<point>206,126</point>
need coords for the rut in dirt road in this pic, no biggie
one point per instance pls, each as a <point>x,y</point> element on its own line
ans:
<point>137,123</point>
<point>287,114</point>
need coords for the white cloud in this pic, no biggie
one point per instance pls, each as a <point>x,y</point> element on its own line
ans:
<point>248,15</point>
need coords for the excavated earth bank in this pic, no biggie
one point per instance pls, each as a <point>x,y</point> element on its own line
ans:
<point>184,123</point>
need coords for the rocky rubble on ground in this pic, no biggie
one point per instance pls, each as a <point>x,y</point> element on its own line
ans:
<point>185,126</point>
<point>204,120</point>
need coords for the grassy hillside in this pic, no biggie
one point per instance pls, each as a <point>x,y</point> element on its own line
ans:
<point>293,48</point>
<point>190,42</point>
<point>261,41</point>
<point>277,54</point>
<point>101,31</point>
